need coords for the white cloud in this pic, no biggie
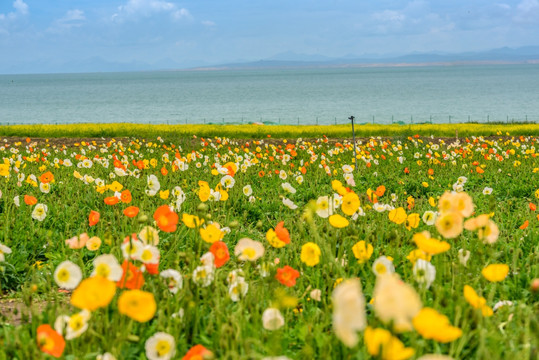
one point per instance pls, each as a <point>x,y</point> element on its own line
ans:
<point>73,15</point>
<point>21,7</point>
<point>389,16</point>
<point>527,11</point>
<point>72,18</point>
<point>208,23</point>
<point>145,8</point>
<point>6,20</point>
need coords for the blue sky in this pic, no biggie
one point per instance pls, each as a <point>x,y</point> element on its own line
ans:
<point>37,35</point>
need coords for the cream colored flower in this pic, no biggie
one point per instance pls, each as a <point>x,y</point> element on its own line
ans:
<point>272,319</point>
<point>316,295</point>
<point>93,243</point>
<point>149,236</point>
<point>203,275</point>
<point>424,272</point>
<point>382,266</point>
<point>238,289</point>
<point>348,311</point>
<point>249,250</point>
<point>173,280</point>
<point>40,212</point>
<point>74,325</point>
<point>323,207</point>
<point>4,250</point>
<point>489,234</point>
<point>449,224</point>
<point>67,275</point>
<point>107,266</point>
<point>395,301</point>
<point>160,346</point>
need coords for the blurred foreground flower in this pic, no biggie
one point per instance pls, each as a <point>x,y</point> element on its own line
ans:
<point>432,325</point>
<point>137,304</point>
<point>49,341</point>
<point>395,301</point>
<point>380,343</point>
<point>348,311</point>
<point>93,293</point>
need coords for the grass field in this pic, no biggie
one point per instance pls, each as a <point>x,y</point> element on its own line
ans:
<point>261,131</point>
<point>156,248</point>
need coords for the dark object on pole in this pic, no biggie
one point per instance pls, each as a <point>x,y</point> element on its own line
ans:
<point>351,118</point>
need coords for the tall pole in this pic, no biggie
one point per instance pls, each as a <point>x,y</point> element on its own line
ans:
<point>351,118</point>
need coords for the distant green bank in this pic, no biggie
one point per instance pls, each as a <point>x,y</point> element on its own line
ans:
<point>254,131</point>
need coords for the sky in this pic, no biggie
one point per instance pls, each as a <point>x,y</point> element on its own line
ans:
<point>44,35</point>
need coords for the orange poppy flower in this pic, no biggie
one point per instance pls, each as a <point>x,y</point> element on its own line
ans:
<point>152,269</point>
<point>197,352</point>
<point>220,253</point>
<point>46,177</point>
<point>30,200</point>
<point>167,220</point>
<point>164,171</point>
<point>282,233</point>
<point>380,190</point>
<point>132,277</point>
<point>111,200</point>
<point>287,276</point>
<point>525,225</point>
<point>93,218</point>
<point>479,170</point>
<point>131,211</point>
<point>533,207</point>
<point>261,173</point>
<point>49,341</point>
<point>125,196</point>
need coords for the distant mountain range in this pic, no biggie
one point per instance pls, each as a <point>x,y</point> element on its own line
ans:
<point>505,55</point>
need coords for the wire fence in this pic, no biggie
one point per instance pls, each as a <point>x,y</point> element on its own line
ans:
<point>400,119</point>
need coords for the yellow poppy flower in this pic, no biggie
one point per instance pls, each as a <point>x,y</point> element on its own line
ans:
<point>398,215</point>
<point>350,203</point>
<point>310,254</point>
<point>93,293</point>
<point>430,245</point>
<point>137,304</point>
<point>338,221</point>
<point>432,325</point>
<point>495,272</point>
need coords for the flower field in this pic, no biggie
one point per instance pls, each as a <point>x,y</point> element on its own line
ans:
<point>215,248</point>
<point>255,131</point>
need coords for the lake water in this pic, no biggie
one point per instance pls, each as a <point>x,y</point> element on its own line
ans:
<point>289,96</point>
